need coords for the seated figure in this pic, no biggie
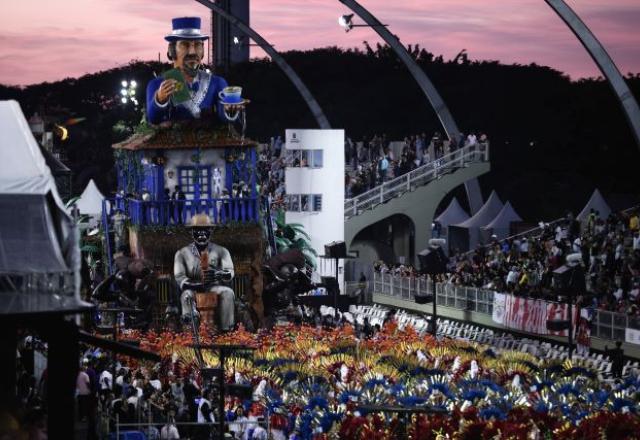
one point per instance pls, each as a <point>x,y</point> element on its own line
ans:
<point>203,266</point>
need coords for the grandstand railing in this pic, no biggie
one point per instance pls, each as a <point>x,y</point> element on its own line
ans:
<point>416,178</point>
<point>604,325</point>
<point>459,297</point>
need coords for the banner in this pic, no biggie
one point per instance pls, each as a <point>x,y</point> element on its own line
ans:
<point>632,336</point>
<point>498,307</point>
<point>528,315</point>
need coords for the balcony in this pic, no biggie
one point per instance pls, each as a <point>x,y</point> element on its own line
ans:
<point>171,212</point>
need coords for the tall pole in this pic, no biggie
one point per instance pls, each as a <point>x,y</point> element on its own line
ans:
<point>570,325</point>
<point>437,103</point>
<point>604,62</point>
<point>434,315</point>
<point>313,105</point>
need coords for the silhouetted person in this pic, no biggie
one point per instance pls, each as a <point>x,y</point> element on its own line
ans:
<point>617,358</point>
<point>178,198</point>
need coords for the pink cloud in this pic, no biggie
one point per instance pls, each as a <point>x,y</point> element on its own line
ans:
<point>52,40</point>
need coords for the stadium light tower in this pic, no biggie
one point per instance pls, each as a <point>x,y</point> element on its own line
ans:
<point>128,92</point>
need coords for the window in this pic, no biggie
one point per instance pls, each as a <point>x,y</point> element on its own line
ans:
<point>304,202</point>
<point>317,202</point>
<point>293,202</point>
<point>187,181</point>
<point>316,159</point>
<point>304,158</point>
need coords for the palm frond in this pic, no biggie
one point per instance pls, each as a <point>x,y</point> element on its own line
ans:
<point>310,258</point>
<point>72,201</point>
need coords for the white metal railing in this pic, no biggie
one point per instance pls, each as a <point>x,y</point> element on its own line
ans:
<point>460,297</point>
<point>413,179</point>
<point>604,325</point>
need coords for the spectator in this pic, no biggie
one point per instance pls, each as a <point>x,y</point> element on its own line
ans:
<point>617,358</point>
<point>83,391</point>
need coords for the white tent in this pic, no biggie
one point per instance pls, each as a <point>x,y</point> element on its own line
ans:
<point>90,202</point>
<point>597,203</point>
<point>501,224</point>
<point>466,235</point>
<point>454,214</point>
<point>38,241</point>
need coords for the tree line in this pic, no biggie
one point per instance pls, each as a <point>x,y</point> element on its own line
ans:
<point>552,139</point>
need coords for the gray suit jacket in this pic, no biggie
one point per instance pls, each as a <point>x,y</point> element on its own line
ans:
<point>186,263</point>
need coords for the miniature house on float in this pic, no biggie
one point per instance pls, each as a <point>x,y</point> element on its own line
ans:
<point>200,168</point>
<point>166,176</point>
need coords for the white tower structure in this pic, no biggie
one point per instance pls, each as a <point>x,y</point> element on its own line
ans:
<point>314,184</point>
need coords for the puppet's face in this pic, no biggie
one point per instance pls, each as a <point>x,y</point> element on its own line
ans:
<point>201,236</point>
<point>189,55</point>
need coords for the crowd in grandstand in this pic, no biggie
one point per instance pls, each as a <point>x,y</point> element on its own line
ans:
<point>524,265</point>
<point>368,163</point>
<point>373,161</point>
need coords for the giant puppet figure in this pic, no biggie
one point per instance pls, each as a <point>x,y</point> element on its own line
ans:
<point>203,266</point>
<point>186,91</point>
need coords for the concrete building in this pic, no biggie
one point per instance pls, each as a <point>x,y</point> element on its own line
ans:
<point>314,184</point>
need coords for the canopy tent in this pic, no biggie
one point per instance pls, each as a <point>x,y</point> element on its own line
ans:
<point>598,204</point>
<point>453,215</point>
<point>39,254</point>
<point>466,235</point>
<point>90,202</point>
<point>501,224</point>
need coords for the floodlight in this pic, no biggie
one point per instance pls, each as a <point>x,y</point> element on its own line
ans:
<point>134,84</point>
<point>124,83</point>
<point>124,100</point>
<point>346,22</point>
<point>123,92</point>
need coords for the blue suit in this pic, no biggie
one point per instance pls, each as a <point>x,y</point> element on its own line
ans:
<point>204,96</point>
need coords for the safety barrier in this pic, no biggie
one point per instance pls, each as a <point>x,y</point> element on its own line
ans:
<point>604,325</point>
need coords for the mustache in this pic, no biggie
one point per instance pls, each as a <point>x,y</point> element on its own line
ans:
<point>192,58</point>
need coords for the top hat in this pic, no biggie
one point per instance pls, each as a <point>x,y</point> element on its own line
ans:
<point>200,221</point>
<point>186,28</point>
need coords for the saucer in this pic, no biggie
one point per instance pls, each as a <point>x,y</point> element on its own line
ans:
<point>241,102</point>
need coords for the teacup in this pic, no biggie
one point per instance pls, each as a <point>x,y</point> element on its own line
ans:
<point>231,95</point>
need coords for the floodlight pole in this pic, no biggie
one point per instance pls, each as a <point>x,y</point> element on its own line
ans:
<point>317,112</point>
<point>437,103</point>
<point>604,62</point>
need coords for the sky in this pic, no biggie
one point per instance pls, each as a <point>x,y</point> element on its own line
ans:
<point>55,39</point>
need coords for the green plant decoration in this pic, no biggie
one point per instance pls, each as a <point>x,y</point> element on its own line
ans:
<point>131,165</point>
<point>293,236</point>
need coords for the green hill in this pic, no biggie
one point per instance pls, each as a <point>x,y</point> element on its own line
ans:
<point>552,140</point>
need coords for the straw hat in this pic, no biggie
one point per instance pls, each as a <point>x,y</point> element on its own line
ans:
<point>200,221</point>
